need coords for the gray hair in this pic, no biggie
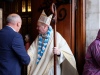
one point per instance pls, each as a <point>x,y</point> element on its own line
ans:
<point>13,18</point>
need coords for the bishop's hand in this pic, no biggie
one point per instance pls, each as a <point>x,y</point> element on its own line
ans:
<point>56,51</point>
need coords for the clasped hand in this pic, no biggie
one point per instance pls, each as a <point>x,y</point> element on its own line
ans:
<point>56,51</point>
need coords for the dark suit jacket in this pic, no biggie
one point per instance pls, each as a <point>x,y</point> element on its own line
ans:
<point>12,52</point>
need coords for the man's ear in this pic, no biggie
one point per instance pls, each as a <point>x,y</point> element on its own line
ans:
<point>17,24</point>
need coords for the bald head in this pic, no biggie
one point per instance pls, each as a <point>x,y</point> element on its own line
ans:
<point>14,20</point>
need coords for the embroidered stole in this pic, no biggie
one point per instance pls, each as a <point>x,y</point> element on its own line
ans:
<point>42,43</point>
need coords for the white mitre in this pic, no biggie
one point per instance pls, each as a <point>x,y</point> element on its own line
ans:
<point>44,18</point>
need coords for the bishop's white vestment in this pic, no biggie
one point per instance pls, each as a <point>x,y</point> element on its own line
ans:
<point>66,64</point>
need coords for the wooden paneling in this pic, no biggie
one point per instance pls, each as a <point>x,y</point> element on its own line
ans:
<point>35,16</point>
<point>80,35</point>
<point>65,26</point>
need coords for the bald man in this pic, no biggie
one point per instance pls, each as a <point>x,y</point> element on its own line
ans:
<point>12,51</point>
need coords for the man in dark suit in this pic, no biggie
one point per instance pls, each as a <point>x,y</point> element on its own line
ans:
<point>12,51</point>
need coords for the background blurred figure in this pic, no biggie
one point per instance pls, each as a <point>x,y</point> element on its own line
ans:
<point>27,41</point>
<point>12,51</point>
<point>92,58</point>
<point>27,45</point>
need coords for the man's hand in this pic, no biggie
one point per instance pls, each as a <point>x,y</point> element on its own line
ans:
<point>56,51</point>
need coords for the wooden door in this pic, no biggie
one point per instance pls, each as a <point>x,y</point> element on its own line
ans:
<point>26,25</point>
<point>66,23</point>
<point>80,33</point>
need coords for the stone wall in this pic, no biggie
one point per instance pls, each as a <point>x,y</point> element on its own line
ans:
<point>92,20</point>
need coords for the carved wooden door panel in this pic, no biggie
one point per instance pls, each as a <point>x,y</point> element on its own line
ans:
<point>65,24</point>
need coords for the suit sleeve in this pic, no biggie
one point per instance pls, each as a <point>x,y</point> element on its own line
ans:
<point>19,49</point>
